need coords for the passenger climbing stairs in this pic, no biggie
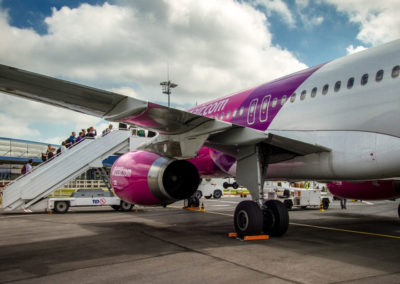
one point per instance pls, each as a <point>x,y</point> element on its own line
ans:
<point>31,188</point>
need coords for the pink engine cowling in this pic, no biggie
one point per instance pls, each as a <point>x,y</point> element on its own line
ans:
<point>146,178</point>
<point>368,190</point>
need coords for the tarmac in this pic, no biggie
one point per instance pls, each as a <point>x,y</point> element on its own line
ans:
<point>172,245</point>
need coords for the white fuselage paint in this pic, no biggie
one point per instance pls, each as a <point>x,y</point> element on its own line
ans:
<point>360,125</point>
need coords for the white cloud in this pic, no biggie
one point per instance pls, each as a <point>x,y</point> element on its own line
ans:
<point>279,7</point>
<point>213,48</point>
<point>351,49</point>
<point>15,127</point>
<point>302,3</point>
<point>379,20</point>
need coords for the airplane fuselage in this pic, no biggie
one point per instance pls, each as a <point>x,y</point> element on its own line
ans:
<point>349,105</point>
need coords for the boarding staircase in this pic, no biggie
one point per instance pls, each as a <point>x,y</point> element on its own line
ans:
<point>33,187</point>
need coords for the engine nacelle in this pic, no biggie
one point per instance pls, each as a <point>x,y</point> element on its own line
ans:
<point>147,178</point>
<point>369,190</point>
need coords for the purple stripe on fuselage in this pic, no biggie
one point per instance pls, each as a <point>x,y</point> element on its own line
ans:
<point>276,89</point>
<point>262,118</point>
<point>257,118</point>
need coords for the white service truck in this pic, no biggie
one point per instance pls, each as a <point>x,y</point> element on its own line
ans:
<point>209,188</point>
<point>301,197</point>
<point>83,198</point>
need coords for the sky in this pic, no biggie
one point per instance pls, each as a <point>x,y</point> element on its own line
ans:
<point>210,48</point>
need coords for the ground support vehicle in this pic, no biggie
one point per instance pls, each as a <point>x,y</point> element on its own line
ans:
<point>81,198</point>
<point>303,198</point>
<point>209,189</point>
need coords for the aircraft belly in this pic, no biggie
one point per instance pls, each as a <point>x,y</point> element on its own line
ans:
<point>354,156</point>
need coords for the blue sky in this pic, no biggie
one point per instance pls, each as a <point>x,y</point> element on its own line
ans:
<point>212,48</point>
<point>311,44</point>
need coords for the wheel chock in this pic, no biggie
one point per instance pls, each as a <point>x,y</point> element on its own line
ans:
<point>202,207</point>
<point>192,208</point>
<point>249,238</point>
<point>255,238</point>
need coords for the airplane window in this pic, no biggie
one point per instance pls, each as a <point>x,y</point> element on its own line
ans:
<point>325,89</point>
<point>228,114</point>
<point>379,75</point>
<point>350,83</point>
<point>337,86</point>
<point>283,100</point>
<point>395,71</point>
<point>264,106</point>
<point>303,95</point>
<point>274,102</point>
<point>314,92</point>
<point>364,79</point>
<point>234,113</point>
<point>292,97</point>
<point>222,116</point>
<point>241,111</point>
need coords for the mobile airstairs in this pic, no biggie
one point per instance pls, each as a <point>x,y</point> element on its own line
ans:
<point>28,191</point>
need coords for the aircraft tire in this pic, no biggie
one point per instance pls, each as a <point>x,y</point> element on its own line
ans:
<point>198,194</point>
<point>217,194</point>
<point>277,225</point>
<point>248,218</point>
<point>194,202</point>
<point>225,185</point>
<point>398,210</point>
<point>126,206</point>
<point>61,207</point>
<point>235,185</point>
<point>325,203</point>
<point>288,203</point>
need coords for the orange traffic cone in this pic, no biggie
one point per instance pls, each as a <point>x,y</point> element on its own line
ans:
<point>202,207</point>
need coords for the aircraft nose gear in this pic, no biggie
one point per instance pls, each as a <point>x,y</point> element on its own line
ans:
<point>248,218</point>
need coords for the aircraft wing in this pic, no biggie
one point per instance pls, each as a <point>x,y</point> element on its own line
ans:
<point>108,105</point>
<point>182,133</point>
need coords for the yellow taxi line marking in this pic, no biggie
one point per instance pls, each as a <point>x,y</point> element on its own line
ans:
<point>312,226</point>
<point>347,231</point>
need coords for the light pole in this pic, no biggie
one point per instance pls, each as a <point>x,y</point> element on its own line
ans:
<point>166,88</point>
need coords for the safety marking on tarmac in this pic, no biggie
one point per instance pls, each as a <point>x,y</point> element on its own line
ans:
<point>347,231</point>
<point>313,226</point>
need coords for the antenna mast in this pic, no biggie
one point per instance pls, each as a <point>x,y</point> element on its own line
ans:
<point>167,86</point>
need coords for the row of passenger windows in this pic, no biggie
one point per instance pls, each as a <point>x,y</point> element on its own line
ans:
<point>338,85</point>
<point>325,89</point>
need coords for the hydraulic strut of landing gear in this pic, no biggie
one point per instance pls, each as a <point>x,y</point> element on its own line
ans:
<point>254,217</point>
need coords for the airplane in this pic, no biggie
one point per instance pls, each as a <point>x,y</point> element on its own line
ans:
<point>337,121</point>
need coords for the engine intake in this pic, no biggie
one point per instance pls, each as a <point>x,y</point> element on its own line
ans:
<point>146,178</point>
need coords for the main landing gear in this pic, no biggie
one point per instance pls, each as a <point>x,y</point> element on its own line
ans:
<point>250,219</point>
<point>254,217</point>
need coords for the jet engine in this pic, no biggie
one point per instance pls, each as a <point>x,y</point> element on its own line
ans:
<point>146,178</point>
<point>369,190</point>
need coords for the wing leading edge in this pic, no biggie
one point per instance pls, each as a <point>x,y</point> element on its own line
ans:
<point>186,129</point>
